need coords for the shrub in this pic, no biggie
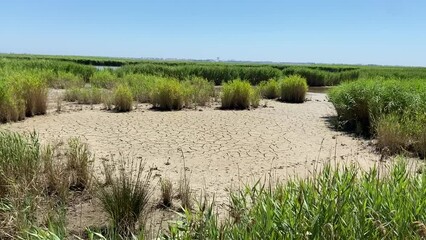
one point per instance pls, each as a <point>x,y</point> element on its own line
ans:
<point>32,89</point>
<point>293,89</point>
<point>269,89</point>
<point>126,199</point>
<point>238,95</point>
<point>123,98</point>
<point>169,94</point>
<point>359,104</point>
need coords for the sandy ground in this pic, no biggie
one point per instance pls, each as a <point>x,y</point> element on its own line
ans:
<point>221,149</point>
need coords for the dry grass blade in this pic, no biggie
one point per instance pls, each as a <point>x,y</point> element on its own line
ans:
<point>166,192</point>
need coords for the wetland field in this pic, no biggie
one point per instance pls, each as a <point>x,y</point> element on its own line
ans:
<point>111,148</point>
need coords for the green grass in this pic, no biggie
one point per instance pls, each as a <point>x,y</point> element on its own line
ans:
<point>332,204</point>
<point>293,89</point>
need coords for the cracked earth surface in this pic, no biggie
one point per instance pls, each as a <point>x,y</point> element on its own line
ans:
<point>222,149</point>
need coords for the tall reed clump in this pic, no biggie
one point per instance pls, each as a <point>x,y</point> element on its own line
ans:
<point>336,203</point>
<point>33,90</point>
<point>125,199</point>
<point>391,110</point>
<point>19,160</point>
<point>123,98</point>
<point>270,89</point>
<point>239,95</point>
<point>141,86</point>
<point>169,94</point>
<point>22,94</point>
<point>293,89</point>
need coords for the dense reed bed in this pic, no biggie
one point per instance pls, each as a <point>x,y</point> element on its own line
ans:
<point>392,110</point>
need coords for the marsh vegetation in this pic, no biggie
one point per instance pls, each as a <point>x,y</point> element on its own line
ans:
<point>40,182</point>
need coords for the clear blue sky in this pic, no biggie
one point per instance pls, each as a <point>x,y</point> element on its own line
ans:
<point>391,32</point>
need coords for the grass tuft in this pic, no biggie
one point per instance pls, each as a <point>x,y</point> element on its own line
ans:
<point>126,198</point>
<point>293,89</point>
<point>79,160</point>
<point>239,95</point>
<point>169,94</point>
<point>166,192</point>
<point>123,98</point>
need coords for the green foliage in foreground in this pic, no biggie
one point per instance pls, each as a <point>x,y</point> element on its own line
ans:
<point>343,204</point>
